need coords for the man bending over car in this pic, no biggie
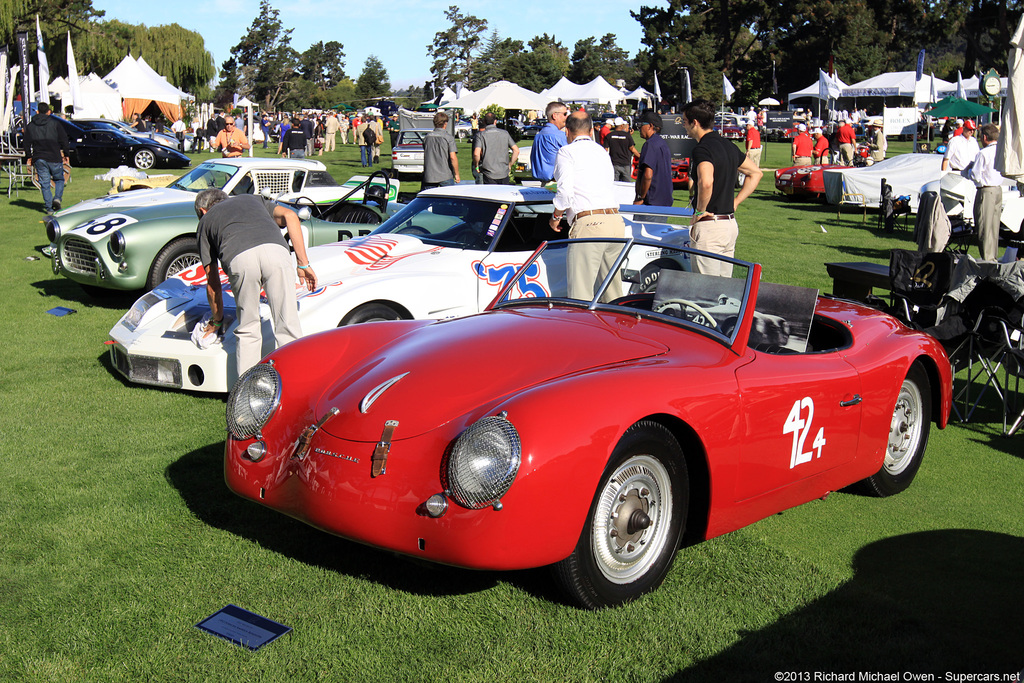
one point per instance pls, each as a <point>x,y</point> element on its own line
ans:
<point>243,233</point>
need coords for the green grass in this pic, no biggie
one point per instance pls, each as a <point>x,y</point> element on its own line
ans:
<point>118,535</point>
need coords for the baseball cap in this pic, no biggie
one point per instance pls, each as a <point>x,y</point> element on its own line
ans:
<point>969,124</point>
<point>801,127</point>
<point>619,121</point>
<point>650,118</point>
<point>816,131</point>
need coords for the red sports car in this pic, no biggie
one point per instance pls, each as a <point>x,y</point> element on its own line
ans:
<point>587,422</point>
<point>803,181</point>
<point>680,172</point>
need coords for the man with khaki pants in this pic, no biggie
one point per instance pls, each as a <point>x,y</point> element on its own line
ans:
<point>584,174</point>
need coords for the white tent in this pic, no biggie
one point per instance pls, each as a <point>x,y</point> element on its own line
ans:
<point>600,90</point>
<point>814,90</point>
<point>564,90</point>
<point>638,94</point>
<point>502,93</point>
<point>144,65</point>
<point>99,100</point>
<point>447,95</point>
<point>972,87</point>
<point>897,84</point>
<point>139,88</point>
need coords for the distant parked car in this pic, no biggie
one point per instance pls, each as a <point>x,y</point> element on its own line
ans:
<point>463,129</point>
<point>908,174</point>
<point>107,148</point>
<point>730,126</point>
<point>803,181</point>
<point>407,153</point>
<point>166,139</point>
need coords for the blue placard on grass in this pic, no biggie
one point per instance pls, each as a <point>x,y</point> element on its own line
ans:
<point>242,627</point>
<point>61,311</point>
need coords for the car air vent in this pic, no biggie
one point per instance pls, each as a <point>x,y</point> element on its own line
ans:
<point>78,256</point>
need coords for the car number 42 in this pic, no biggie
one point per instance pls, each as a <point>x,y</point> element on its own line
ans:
<point>800,428</point>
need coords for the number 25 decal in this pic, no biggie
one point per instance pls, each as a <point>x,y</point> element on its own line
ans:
<point>800,428</point>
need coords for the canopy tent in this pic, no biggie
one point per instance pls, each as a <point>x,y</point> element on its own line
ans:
<point>972,87</point>
<point>639,94</point>
<point>771,101</point>
<point>564,90</point>
<point>144,65</point>
<point>447,95</point>
<point>814,90</point>
<point>502,93</point>
<point>97,99</point>
<point>957,107</point>
<point>139,88</point>
<point>897,84</point>
<point>601,91</point>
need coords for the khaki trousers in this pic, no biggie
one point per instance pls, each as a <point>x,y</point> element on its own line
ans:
<point>987,208</point>
<point>267,267</point>
<point>755,156</point>
<point>589,264</point>
<point>716,237</point>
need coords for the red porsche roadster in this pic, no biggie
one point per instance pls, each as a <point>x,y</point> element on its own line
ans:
<point>591,419</point>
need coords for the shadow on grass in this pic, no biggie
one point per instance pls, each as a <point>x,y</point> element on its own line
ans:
<point>924,603</point>
<point>94,297</point>
<point>199,479</point>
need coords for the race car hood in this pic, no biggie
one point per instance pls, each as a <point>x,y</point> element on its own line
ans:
<point>125,200</point>
<point>447,369</point>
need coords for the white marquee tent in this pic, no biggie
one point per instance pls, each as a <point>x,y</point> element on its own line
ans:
<point>972,87</point>
<point>139,87</point>
<point>502,93</point>
<point>597,90</point>
<point>897,84</point>
<point>98,100</point>
<point>814,90</point>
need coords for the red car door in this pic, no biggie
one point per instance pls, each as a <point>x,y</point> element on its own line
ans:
<point>802,417</point>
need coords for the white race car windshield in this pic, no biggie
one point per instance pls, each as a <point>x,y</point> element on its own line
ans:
<point>448,221</point>
<point>208,176</point>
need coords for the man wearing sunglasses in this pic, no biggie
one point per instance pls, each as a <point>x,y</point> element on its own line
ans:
<point>230,141</point>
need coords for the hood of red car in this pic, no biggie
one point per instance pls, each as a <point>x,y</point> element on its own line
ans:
<point>437,373</point>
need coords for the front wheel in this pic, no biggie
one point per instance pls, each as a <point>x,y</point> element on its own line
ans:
<point>908,437</point>
<point>144,159</point>
<point>635,522</point>
<point>369,313</point>
<point>178,255</point>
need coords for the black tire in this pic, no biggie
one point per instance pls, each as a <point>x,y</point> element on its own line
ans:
<point>634,524</point>
<point>908,437</point>
<point>178,255</point>
<point>368,313</point>
<point>144,159</point>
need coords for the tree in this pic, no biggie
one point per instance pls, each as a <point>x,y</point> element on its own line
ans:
<point>323,65</point>
<point>55,16</point>
<point>373,81</point>
<point>266,64</point>
<point>591,59</point>
<point>490,66</point>
<point>454,49</point>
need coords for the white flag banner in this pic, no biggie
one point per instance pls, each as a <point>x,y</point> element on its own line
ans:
<point>828,89</point>
<point>76,95</point>
<point>934,96</point>
<point>960,86</point>
<point>44,67</point>
<point>689,89</point>
<point>727,87</point>
<point>657,88</point>
<point>5,124</point>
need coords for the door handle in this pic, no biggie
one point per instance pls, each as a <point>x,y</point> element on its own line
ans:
<point>852,402</point>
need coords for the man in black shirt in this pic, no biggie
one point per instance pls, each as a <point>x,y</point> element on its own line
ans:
<point>619,144</point>
<point>714,170</point>
<point>293,143</point>
<point>46,144</point>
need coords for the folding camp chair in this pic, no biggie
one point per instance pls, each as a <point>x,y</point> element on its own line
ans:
<point>891,208</point>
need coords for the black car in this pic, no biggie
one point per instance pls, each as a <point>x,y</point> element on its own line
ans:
<point>531,129</point>
<point>105,147</point>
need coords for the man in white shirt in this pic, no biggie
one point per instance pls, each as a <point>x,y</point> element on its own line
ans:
<point>584,174</point>
<point>988,202</point>
<point>962,149</point>
<point>178,128</point>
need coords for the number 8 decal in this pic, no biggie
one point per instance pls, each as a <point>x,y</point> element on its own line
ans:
<point>800,428</point>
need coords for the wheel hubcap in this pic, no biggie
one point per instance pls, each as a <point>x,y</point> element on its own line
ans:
<point>904,430</point>
<point>181,263</point>
<point>631,522</point>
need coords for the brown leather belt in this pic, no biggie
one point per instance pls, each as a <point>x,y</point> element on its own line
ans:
<point>717,217</point>
<point>584,214</point>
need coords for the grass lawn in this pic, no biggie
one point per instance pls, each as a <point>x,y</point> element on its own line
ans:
<point>118,533</point>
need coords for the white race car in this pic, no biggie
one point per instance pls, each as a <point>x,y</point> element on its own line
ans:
<point>446,254</point>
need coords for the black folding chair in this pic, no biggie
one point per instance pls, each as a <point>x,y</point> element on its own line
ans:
<point>890,209</point>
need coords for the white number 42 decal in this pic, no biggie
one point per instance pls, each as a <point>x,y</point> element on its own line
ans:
<point>800,428</point>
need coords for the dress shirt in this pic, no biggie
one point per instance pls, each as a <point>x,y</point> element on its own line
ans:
<point>983,172</point>
<point>585,177</point>
<point>960,152</point>
<point>545,148</point>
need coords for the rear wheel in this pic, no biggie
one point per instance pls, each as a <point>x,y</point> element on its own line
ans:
<point>908,436</point>
<point>635,522</point>
<point>368,313</point>
<point>178,255</point>
<point>144,159</point>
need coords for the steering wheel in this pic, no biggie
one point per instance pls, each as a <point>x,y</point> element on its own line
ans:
<point>412,230</point>
<point>702,318</point>
<point>362,186</point>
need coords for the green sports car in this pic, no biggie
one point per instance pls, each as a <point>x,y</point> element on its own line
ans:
<point>138,247</point>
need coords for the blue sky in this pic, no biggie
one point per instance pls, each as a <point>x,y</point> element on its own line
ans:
<point>399,34</point>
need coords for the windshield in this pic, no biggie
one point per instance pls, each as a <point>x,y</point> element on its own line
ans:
<point>448,221</point>
<point>648,279</point>
<point>209,176</point>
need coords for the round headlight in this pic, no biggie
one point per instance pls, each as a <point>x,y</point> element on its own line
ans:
<point>117,244</point>
<point>483,462</point>
<point>52,229</point>
<point>253,400</point>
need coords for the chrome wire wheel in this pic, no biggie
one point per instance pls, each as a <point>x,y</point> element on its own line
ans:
<point>183,262</point>
<point>906,428</point>
<point>632,519</point>
<point>144,159</point>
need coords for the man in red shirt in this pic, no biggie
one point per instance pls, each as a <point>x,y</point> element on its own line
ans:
<point>803,147</point>
<point>820,147</point>
<point>753,143</point>
<point>847,142</point>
